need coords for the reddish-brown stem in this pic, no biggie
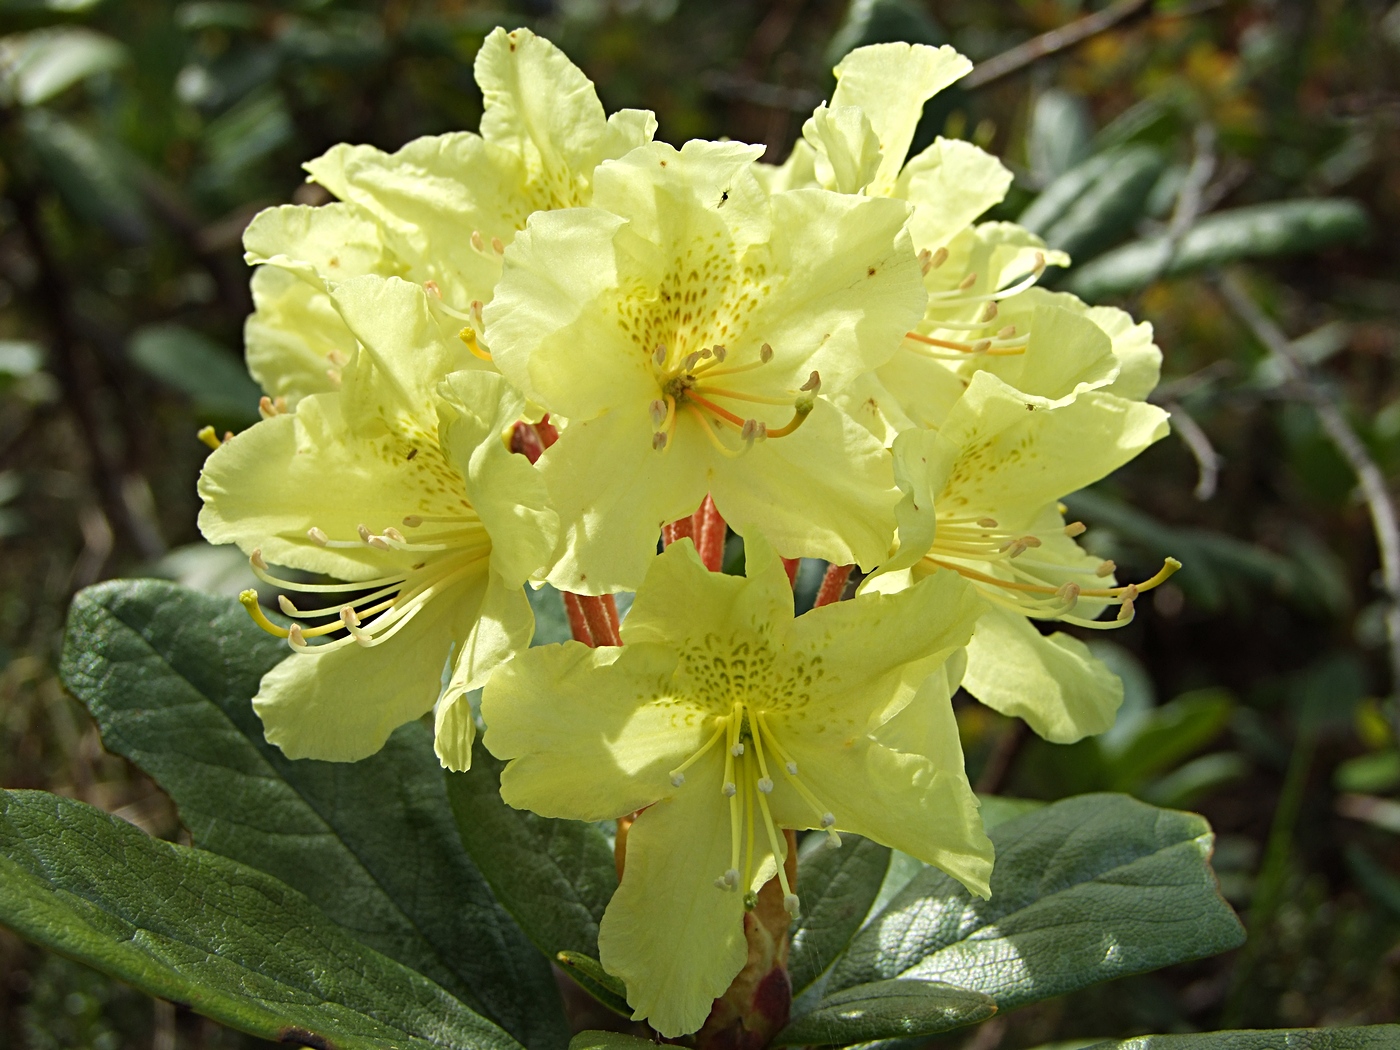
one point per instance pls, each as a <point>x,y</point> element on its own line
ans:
<point>678,530</point>
<point>790,567</point>
<point>578,620</point>
<point>601,612</point>
<point>833,584</point>
<point>709,532</point>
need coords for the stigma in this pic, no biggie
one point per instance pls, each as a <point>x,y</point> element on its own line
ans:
<point>701,384</point>
<point>1013,577</point>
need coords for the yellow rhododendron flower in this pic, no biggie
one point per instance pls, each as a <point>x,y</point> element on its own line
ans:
<point>981,496</point>
<point>689,326</point>
<point>400,484</point>
<point>438,212</point>
<point>724,720</point>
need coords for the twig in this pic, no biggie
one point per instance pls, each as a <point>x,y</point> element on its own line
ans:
<point>1050,43</point>
<point>1384,521</point>
<point>999,761</point>
<point>1208,461</point>
<point>1190,199</point>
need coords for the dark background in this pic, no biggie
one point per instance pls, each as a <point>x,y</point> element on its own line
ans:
<point>1258,678</point>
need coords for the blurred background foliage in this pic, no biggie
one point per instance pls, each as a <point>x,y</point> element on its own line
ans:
<point>1163,143</point>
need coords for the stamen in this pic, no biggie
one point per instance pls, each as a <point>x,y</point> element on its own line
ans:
<point>1106,568</point>
<point>939,258</point>
<point>478,242</point>
<point>967,282</point>
<point>498,246</point>
<point>317,536</point>
<point>765,785</point>
<point>813,384</point>
<point>432,289</point>
<point>925,260</point>
<point>1006,333</point>
<point>765,354</point>
<point>792,769</point>
<point>659,412</point>
<point>791,905</point>
<point>987,523</point>
<point>1075,528</point>
<point>659,355</point>
<point>678,774</point>
<point>658,440</point>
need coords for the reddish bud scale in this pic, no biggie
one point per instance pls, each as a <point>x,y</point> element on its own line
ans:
<point>790,567</point>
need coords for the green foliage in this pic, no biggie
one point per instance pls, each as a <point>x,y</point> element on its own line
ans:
<point>1258,231</point>
<point>886,1010</point>
<point>168,674</point>
<point>197,366</point>
<point>1085,890</point>
<point>1371,1037</point>
<point>197,928</point>
<point>1097,203</point>
<point>836,888</point>
<point>554,877</point>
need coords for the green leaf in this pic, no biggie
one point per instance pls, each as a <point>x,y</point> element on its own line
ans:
<point>93,180</point>
<point>1060,132</point>
<point>1367,1037</point>
<point>887,1010</point>
<point>592,978</point>
<point>609,1041</point>
<point>836,888</point>
<point>998,809</point>
<point>213,378</point>
<point>1084,890</point>
<point>42,64</point>
<point>555,877</point>
<point>168,674</point>
<point>1168,734</point>
<point>1261,230</point>
<point>1108,208</point>
<point>200,929</point>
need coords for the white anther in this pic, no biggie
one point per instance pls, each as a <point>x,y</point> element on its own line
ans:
<point>691,360</point>
<point>257,559</point>
<point>348,616</point>
<point>658,440</point>
<point>1007,332</point>
<point>939,258</point>
<point>731,879</point>
<point>498,246</point>
<point>317,536</point>
<point>295,638</point>
<point>379,543</point>
<point>658,412</point>
<point>659,355</point>
<point>828,820</point>
<point>765,353</point>
<point>791,905</point>
<point>412,521</point>
<point>981,346</point>
<point>720,884</point>
<point>749,431</point>
<point>364,532</point>
<point>394,534</point>
<point>987,523</point>
<point>720,353</point>
<point>677,779</point>
<point>729,790</point>
<point>737,749</point>
<point>813,384</point>
<point>765,785</point>
<point>925,260</point>
<point>1075,528</point>
<point>478,242</point>
<point>792,769</point>
<point>284,603</point>
<point>1130,594</point>
<point>1106,568</point>
<point>989,312</point>
<point>967,282</point>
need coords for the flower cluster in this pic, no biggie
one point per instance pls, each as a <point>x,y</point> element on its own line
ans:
<point>521,357</point>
